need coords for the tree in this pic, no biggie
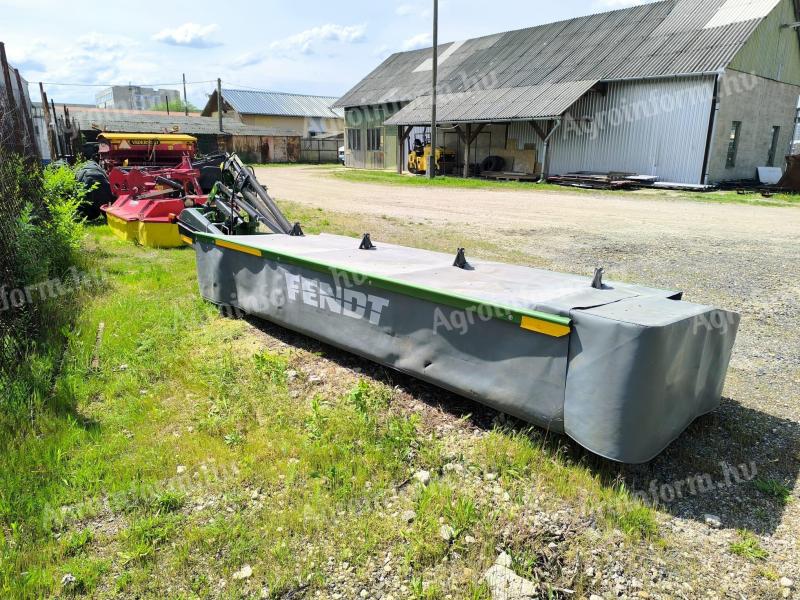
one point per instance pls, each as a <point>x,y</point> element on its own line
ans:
<point>175,106</point>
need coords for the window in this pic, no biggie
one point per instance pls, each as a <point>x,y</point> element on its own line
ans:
<point>773,147</point>
<point>733,144</point>
<point>354,139</point>
<point>375,139</point>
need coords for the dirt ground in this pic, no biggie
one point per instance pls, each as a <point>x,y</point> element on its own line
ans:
<point>494,211</point>
<point>738,257</point>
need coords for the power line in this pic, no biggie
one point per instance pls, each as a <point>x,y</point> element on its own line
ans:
<point>105,85</point>
<point>245,87</point>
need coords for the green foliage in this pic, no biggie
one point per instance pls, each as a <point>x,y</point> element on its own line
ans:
<point>176,107</point>
<point>77,541</point>
<point>425,591</point>
<point>64,231</point>
<point>629,514</point>
<point>748,547</point>
<point>40,241</point>
<point>774,489</point>
<point>145,536</point>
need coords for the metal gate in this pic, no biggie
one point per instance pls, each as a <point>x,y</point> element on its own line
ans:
<point>318,151</point>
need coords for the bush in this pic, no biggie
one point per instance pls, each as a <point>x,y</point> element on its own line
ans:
<point>40,241</point>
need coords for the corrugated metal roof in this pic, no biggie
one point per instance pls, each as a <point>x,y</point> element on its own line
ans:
<point>542,101</point>
<point>661,39</point>
<point>149,122</point>
<point>252,102</point>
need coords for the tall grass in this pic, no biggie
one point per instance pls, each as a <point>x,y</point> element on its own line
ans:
<point>41,238</point>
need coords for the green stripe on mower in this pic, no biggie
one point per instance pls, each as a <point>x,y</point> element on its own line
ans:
<point>532,320</point>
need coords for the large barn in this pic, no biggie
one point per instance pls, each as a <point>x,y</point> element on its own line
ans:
<point>689,91</point>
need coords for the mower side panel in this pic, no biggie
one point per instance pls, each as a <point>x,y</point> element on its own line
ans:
<point>514,370</point>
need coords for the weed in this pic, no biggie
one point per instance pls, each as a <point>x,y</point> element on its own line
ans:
<point>461,515</point>
<point>629,515</point>
<point>87,574</point>
<point>145,536</point>
<point>234,439</point>
<point>317,421</point>
<point>421,590</point>
<point>748,547</point>
<point>170,501</point>
<point>479,591</point>
<point>77,541</point>
<point>774,489</point>
<point>272,366</point>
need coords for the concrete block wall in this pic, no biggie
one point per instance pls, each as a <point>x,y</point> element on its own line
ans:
<point>759,104</point>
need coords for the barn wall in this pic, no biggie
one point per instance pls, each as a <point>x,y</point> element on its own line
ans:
<point>773,51</point>
<point>657,127</point>
<point>302,126</point>
<point>652,127</point>
<point>371,117</point>
<point>759,104</point>
<point>263,149</point>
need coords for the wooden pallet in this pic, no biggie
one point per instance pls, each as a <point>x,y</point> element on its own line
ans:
<point>509,176</point>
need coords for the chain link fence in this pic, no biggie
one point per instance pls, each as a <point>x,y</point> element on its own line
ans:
<point>20,195</point>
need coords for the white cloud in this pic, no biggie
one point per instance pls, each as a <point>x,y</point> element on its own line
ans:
<point>248,59</point>
<point>305,41</point>
<point>101,41</point>
<point>421,40</point>
<point>27,60</point>
<point>190,35</point>
<point>413,10</point>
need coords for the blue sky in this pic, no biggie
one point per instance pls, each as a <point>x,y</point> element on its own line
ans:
<point>307,47</point>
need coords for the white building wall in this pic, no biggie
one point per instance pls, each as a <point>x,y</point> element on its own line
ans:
<point>655,127</point>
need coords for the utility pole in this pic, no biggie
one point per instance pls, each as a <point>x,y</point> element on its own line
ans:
<point>166,97</point>
<point>432,159</point>
<point>185,98</point>
<point>219,103</point>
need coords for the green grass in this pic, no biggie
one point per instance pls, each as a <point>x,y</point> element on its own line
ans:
<point>294,164</point>
<point>395,179</point>
<point>191,452</point>
<point>774,489</point>
<point>748,547</point>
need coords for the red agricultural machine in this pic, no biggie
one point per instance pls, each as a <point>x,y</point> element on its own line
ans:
<point>144,149</point>
<point>146,180</point>
<point>149,201</point>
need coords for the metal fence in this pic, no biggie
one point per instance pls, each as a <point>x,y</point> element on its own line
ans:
<point>20,187</point>
<point>314,150</point>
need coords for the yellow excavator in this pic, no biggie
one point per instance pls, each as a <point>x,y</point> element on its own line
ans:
<point>420,154</point>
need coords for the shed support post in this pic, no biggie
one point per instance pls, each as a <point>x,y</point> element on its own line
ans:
<point>400,129</point>
<point>402,136</point>
<point>546,136</point>
<point>467,142</point>
<point>467,136</point>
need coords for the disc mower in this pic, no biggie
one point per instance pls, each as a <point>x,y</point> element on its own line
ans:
<point>622,369</point>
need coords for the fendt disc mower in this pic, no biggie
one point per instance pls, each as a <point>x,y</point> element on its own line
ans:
<point>621,369</point>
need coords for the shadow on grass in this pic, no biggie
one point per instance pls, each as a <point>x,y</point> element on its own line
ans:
<point>736,463</point>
